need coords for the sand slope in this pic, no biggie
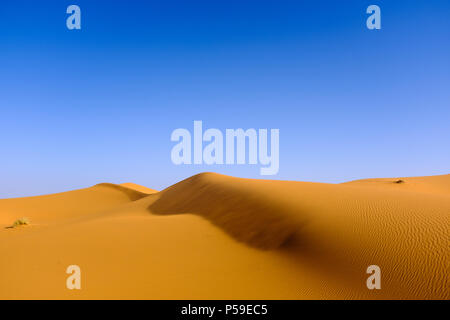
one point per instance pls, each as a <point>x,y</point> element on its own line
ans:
<point>213,236</point>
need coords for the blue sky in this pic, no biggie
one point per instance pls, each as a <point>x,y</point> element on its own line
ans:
<point>80,107</point>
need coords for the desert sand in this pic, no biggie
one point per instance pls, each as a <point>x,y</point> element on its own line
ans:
<point>218,237</point>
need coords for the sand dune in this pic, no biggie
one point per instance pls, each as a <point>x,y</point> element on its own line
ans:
<point>213,237</point>
<point>432,184</point>
<point>65,205</point>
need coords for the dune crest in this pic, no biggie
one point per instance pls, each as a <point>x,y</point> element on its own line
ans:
<point>138,187</point>
<point>131,192</point>
<point>246,214</point>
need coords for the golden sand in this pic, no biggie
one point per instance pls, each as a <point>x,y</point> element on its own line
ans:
<point>218,237</point>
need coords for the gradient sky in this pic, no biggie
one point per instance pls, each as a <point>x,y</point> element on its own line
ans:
<point>99,104</point>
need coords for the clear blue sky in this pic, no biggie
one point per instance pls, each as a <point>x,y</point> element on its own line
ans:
<point>99,104</point>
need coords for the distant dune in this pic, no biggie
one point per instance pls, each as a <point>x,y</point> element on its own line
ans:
<point>217,237</point>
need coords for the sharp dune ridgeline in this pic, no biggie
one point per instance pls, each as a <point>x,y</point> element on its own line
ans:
<point>218,237</point>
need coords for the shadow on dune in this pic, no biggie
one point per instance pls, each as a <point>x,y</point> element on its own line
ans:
<point>335,231</point>
<point>253,216</point>
<point>133,195</point>
<point>244,213</point>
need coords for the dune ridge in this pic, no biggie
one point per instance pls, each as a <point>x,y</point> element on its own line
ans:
<point>240,212</point>
<point>137,187</point>
<point>131,192</point>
